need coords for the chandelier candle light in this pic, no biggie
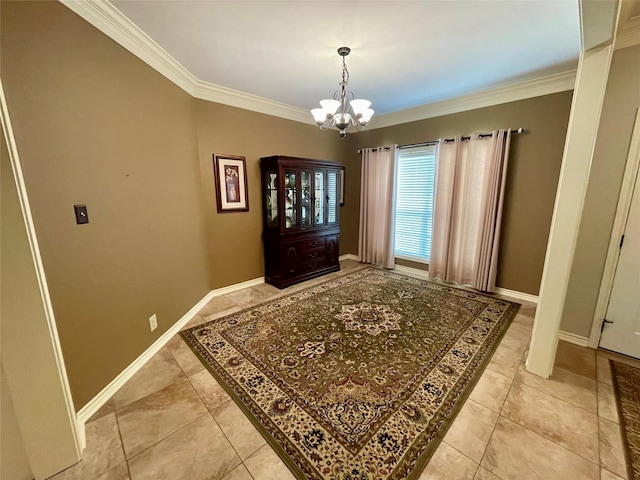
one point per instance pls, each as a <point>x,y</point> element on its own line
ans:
<point>335,113</point>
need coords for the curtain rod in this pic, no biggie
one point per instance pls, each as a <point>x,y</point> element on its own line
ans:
<point>434,142</point>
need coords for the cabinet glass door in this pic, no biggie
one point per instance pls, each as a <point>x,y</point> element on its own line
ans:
<point>332,193</point>
<point>290,199</point>
<point>319,198</point>
<point>305,199</point>
<point>271,200</point>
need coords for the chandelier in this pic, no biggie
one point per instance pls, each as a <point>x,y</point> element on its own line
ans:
<point>336,112</point>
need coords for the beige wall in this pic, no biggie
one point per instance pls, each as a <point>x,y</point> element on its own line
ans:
<point>95,125</point>
<point>13,457</point>
<point>234,239</point>
<point>34,393</point>
<point>621,102</point>
<point>534,166</point>
<point>14,463</point>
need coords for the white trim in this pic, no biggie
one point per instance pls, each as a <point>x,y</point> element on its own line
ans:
<point>409,258</point>
<point>424,274</point>
<point>619,224</point>
<point>348,256</point>
<point>21,188</point>
<point>113,23</point>
<point>584,119</point>
<point>109,20</point>
<point>527,297</point>
<point>559,82</point>
<point>414,272</point>
<point>628,38</point>
<point>235,98</point>
<point>237,286</point>
<point>107,392</point>
<point>417,272</point>
<point>629,35</point>
<point>573,338</point>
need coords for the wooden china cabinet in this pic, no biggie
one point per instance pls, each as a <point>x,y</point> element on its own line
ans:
<point>301,218</point>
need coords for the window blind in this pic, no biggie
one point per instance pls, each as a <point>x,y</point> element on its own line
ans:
<point>333,196</point>
<point>415,184</point>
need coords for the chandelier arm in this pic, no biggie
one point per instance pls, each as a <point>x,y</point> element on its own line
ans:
<point>355,121</point>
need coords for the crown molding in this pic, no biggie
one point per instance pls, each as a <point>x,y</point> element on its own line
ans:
<point>109,20</point>
<point>559,82</point>
<point>236,98</point>
<point>629,35</point>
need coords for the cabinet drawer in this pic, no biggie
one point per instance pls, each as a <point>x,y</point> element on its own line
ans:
<point>312,243</point>
<point>317,254</point>
<point>312,265</point>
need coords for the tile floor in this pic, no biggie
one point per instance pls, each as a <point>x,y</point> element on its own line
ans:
<point>173,421</point>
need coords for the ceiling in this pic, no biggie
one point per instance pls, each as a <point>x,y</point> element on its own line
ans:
<point>404,54</point>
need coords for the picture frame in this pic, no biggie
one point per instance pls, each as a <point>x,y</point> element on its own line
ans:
<point>230,174</point>
<point>341,187</point>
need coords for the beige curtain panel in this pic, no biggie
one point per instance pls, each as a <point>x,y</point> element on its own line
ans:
<point>469,194</point>
<point>377,194</point>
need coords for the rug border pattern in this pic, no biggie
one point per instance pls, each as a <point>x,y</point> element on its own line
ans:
<point>416,457</point>
<point>623,421</point>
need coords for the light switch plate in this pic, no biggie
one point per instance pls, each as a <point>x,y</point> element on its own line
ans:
<point>81,214</point>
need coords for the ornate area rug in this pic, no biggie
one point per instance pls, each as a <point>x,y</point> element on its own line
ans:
<point>358,377</point>
<point>626,381</point>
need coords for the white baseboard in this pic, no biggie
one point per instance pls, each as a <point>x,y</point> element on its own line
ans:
<point>236,286</point>
<point>414,272</point>
<point>86,412</point>
<point>573,338</point>
<point>417,272</point>
<point>562,335</point>
<point>527,297</point>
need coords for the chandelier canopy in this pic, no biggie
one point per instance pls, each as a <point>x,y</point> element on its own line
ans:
<point>344,110</point>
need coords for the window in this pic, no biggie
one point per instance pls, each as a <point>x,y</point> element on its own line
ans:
<point>415,181</point>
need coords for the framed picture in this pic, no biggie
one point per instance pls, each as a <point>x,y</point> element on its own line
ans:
<point>231,183</point>
<point>341,187</point>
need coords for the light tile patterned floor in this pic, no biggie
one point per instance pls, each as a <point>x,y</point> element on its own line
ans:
<point>173,420</point>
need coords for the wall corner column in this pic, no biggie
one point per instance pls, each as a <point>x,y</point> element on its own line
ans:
<point>591,82</point>
<point>31,359</point>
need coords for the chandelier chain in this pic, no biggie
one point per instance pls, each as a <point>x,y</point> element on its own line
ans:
<point>345,73</point>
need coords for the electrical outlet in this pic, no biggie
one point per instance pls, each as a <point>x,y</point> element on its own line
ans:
<point>153,322</point>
